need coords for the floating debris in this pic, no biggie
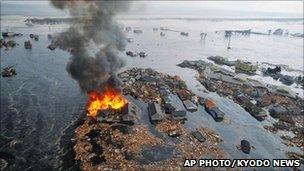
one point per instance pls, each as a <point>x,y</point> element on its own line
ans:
<point>245,67</point>
<point>27,45</point>
<point>143,54</point>
<point>221,60</point>
<point>213,110</point>
<point>132,54</point>
<point>8,72</point>
<point>184,34</point>
<point>137,31</point>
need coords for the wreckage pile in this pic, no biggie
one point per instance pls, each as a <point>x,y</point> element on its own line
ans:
<point>255,97</point>
<point>147,85</point>
<point>249,68</point>
<point>102,146</point>
<point>159,145</point>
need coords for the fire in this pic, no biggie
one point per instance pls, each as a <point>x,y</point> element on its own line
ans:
<point>108,99</point>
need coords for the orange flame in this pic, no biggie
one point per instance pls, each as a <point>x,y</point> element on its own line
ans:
<point>108,99</point>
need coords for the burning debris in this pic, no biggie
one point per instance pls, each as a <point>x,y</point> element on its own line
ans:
<point>115,145</point>
<point>110,98</point>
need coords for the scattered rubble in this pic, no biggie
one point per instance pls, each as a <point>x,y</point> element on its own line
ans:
<point>272,71</point>
<point>98,145</point>
<point>293,155</point>
<point>171,128</point>
<point>9,72</point>
<point>104,146</point>
<point>9,44</point>
<point>146,84</point>
<point>245,67</point>
<point>126,115</point>
<point>253,96</point>
<point>257,112</point>
<point>221,60</point>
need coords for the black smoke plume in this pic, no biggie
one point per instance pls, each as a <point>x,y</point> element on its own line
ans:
<point>96,26</point>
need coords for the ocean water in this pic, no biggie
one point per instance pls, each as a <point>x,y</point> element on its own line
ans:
<point>42,99</point>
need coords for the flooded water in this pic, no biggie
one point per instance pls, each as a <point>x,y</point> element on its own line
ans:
<point>38,103</point>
